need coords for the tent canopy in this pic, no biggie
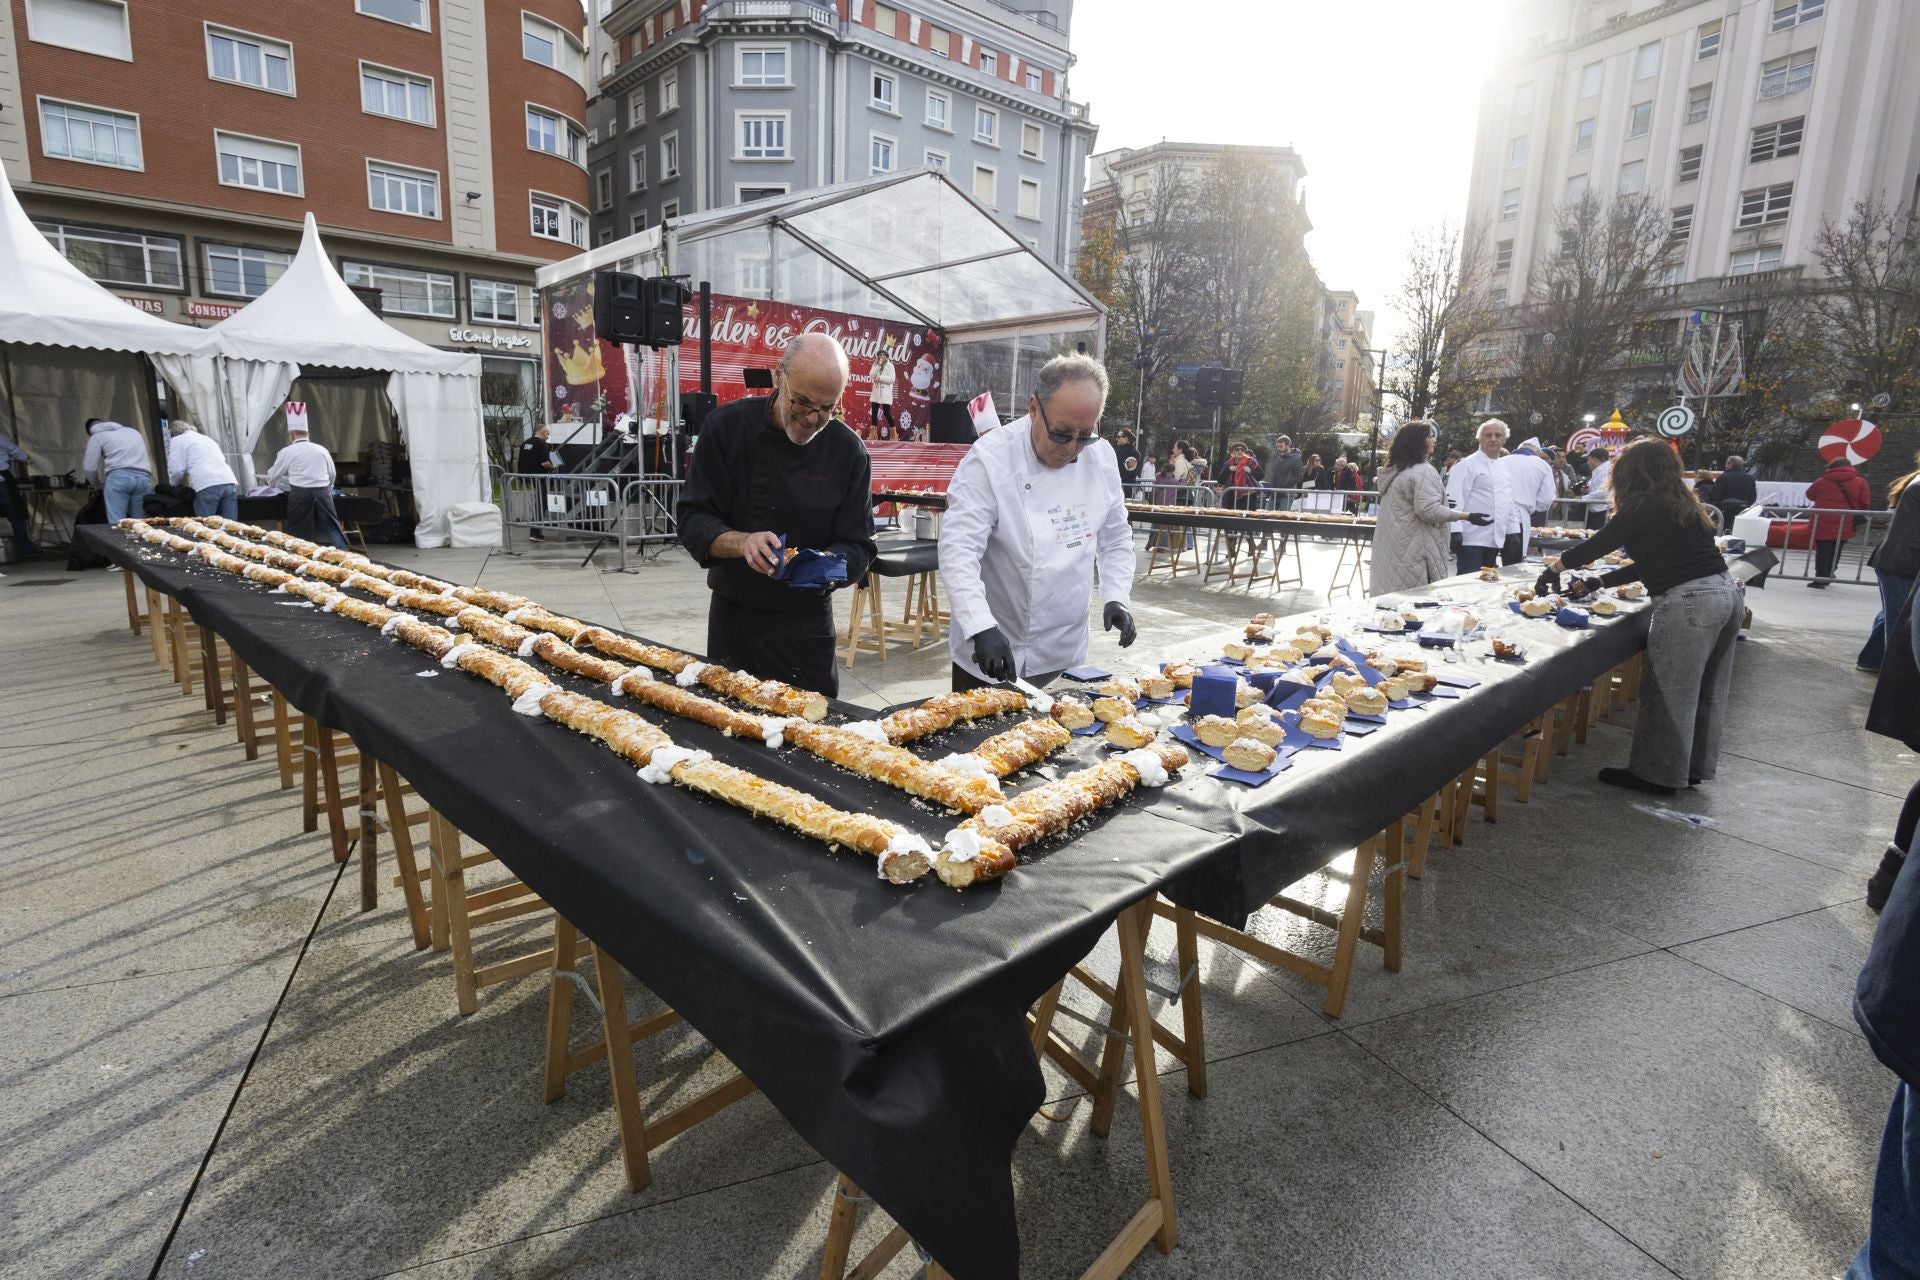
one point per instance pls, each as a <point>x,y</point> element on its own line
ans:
<point>310,317</point>
<point>901,246</point>
<point>46,300</point>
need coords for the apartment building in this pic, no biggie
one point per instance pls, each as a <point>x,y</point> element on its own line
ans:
<point>171,148</point>
<point>705,103</point>
<point>1754,121</point>
<point>1346,338</point>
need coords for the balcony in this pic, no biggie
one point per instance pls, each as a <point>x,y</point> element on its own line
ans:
<point>818,15</point>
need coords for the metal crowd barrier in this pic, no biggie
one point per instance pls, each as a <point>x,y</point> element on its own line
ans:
<point>564,507</point>
<point>1799,557</point>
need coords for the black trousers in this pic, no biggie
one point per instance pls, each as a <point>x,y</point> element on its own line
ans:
<point>1512,550</point>
<point>795,646</point>
<point>876,410</point>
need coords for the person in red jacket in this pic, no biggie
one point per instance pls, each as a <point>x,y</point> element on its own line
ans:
<point>1839,488</point>
<point>1243,475</point>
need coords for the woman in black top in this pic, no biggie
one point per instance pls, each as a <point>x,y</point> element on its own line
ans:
<point>1697,607</point>
<point>1314,475</point>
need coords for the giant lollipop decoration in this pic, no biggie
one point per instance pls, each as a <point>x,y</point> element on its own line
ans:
<point>1854,439</point>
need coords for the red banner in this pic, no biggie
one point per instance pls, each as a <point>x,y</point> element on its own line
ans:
<point>911,468</point>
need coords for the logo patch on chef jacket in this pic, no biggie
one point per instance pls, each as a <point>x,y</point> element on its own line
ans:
<point>1071,528</point>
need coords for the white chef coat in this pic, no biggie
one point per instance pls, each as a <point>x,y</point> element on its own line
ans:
<point>1019,545</point>
<point>193,457</point>
<point>302,465</point>
<point>1531,478</point>
<point>1483,484</point>
<point>1597,495</point>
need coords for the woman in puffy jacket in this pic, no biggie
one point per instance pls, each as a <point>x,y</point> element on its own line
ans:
<point>1840,488</point>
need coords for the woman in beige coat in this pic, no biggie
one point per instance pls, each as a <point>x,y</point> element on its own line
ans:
<point>1410,539</point>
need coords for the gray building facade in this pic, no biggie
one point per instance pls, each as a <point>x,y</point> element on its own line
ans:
<point>703,105</point>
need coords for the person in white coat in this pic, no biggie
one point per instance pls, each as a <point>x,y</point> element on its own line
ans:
<point>1032,510</point>
<point>1480,483</point>
<point>197,461</point>
<point>305,469</point>
<point>1534,491</point>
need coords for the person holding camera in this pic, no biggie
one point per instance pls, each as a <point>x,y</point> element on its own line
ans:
<point>1697,608</point>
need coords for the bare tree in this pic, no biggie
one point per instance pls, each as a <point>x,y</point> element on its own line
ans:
<point>1440,359</point>
<point>1865,320</point>
<point>1591,290</point>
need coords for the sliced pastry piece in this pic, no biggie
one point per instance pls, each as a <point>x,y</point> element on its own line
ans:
<point>1110,709</point>
<point>1072,713</point>
<point>1366,700</point>
<point>1129,732</point>
<point>1316,725</point>
<point>1156,687</point>
<point>1250,754</point>
<point>1237,651</point>
<point>1215,731</point>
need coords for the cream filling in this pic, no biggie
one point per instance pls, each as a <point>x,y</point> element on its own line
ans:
<point>526,646</point>
<point>528,703</point>
<point>661,763</point>
<point>639,675</point>
<point>965,763</point>
<point>961,845</point>
<point>392,624</point>
<point>871,730</point>
<point>452,656</point>
<point>904,844</point>
<point>996,816</point>
<point>690,675</point>
<point>1147,764</point>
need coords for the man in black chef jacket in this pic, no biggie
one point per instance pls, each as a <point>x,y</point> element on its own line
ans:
<point>769,466</point>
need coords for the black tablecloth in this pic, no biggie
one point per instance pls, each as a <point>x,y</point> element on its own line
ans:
<point>886,1024</point>
<point>1231,521</point>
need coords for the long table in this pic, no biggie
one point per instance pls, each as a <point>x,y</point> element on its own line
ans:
<point>886,1025</point>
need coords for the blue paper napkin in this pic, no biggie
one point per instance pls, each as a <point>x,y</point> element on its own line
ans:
<point>1362,728</point>
<point>1298,739</point>
<point>1187,735</point>
<point>1214,690</point>
<point>1441,692</point>
<point>1279,766</point>
<point>1364,718</point>
<point>1086,673</point>
<point>1458,682</point>
<point>1288,693</point>
<point>1572,619</point>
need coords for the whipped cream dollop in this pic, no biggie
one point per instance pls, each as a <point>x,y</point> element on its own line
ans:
<point>995,816</point>
<point>905,844</point>
<point>1147,764</point>
<point>663,761</point>
<point>526,646</point>
<point>333,604</point>
<point>965,762</point>
<point>961,845</point>
<point>528,703</point>
<point>690,675</point>
<point>514,615</point>
<point>1040,702</point>
<point>639,675</point>
<point>392,624</point>
<point>452,657</point>
<point>773,730</point>
<point>871,730</point>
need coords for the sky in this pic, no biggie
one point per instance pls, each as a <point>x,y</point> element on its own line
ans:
<point>1379,97</point>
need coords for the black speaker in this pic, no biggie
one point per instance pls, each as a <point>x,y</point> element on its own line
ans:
<point>695,406</point>
<point>664,300</point>
<point>951,423</point>
<point>619,314</point>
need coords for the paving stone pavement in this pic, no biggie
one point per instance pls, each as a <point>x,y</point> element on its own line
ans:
<point>1621,1044</point>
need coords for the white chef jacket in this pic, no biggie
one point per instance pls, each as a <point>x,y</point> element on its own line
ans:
<point>1483,484</point>
<point>194,457</point>
<point>1019,545</point>
<point>302,465</point>
<point>1597,495</point>
<point>1531,478</point>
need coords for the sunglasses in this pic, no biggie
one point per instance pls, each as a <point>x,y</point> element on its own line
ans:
<point>1063,437</point>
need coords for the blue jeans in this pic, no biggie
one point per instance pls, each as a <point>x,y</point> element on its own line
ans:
<point>1893,597</point>
<point>125,489</point>
<point>217,500</point>
<point>1892,1250</point>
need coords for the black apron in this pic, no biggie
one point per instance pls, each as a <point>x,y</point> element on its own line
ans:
<point>310,515</point>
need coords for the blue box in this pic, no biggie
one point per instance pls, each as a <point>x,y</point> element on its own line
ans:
<point>1213,692</point>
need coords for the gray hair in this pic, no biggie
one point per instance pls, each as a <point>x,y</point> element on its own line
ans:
<point>180,426</point>
<point>1735,460</point>
<point>810,341</point>
<point>1505,431</point>
<point>1061,370</point>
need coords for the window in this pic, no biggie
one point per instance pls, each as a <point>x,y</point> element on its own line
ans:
<point>238,272</point>
<point>1763,205</point>
<point>986,126</point>
<point>1583,136</point>
<point>1646,63</point>
<point>1708,43</point>
<point>746,195</point>
<point>636,108</point>
<point>886,92</point>
<point>119,257</point>
<point>1523,99</point>
<point>671,209</point>
<point>940,42</point>
<point>1699,103</point>
<point>400,190</point>
<point>637,223</point>
<point>879,153</point>
<point>603,236</point>
<point>1503,256</point>
<point>258,163</point>
<point>1029,206</point>
<point>497,302</point>
<point>603,190</point>
<point>986,185</point>
<point>989,63</point>
<point>1681,229</point>
<point>762,136</point>
<point>1516,152</point>
<point>762,65</point>
<point>886,20</point>
<point>1509,204</point>
<point>1747,261</point>
<point>666,22</point>
<point>555,135</point>
<point>1783,76</point>
<point>670,156</point>
<point>396,94</point>
<point>408,13</point>
<point>1771,141</point>
<point>250,60</point>
<point>754,277</point>
<point>937,160</point>
<point>69,131</point>
<point>1791,13</point>
<point>1569,242</point>
<point>669,92</point>
<point>1030,140</point>
<point>1033,82</point>
<point>939,110</point>
<point>405,291</point>
<point>1639,119</point>
<point>548,45</point>
<point>637,169</point>
<point>91,26</point>
<point>556,219</point>
<point>1689,165</point>
<point>1633,177</point>
<point>1576,189</point>
<point>1590,76</point>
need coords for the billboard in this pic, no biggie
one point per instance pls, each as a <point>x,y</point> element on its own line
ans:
<point>590,381</point>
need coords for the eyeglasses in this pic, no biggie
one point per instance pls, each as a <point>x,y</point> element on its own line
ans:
<point>807,411</point>
<point>1063,437</point>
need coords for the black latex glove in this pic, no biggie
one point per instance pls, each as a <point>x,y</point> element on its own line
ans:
<point>1548,584</point>
<point>1580,588</point>
<point>1480,518</point>
<point>993,655</point>
<point>1116,615</point>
